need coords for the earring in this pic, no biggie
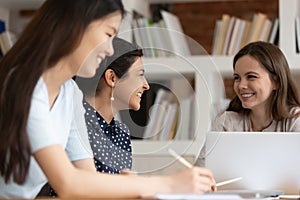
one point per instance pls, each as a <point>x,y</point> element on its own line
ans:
<point>112,98</point>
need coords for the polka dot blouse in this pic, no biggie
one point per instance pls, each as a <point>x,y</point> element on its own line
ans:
<point>110,142</point>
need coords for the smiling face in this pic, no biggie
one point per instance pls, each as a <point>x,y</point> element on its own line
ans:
<point>252,83</point>
<point>95,45</point>
<point>130,88</point>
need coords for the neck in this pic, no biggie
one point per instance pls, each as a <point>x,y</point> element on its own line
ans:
<point>54,77</point>
<point>103,106</point>
<point>260,121</point>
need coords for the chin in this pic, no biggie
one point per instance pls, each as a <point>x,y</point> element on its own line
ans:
<point>86,74</point>
<point>135,108</point>
<point>247,106</point>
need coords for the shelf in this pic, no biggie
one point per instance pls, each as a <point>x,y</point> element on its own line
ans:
<point>222,64</point>
<point>144,147</point>
<point>288,10</point>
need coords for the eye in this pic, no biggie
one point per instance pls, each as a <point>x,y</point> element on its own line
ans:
<point>250,76</point>
<point>236,78</point>
<point>142,74</point>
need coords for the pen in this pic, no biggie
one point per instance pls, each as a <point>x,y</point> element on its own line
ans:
<point>180,159</point>
<point>228,181</point>
<point>189,165</point>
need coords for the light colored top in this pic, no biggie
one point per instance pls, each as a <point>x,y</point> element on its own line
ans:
<point>64,124</point>
<point>233,121</point>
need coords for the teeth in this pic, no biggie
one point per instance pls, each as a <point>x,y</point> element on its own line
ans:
<point>139,94</point>
<point>247,95</point>
<point>99,60</point>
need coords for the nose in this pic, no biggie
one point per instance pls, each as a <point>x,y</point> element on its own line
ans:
<point>146,85</point>
<point>242,84</point>
<point>110,49</point>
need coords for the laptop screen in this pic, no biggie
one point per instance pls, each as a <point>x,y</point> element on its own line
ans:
<point>265,161</point>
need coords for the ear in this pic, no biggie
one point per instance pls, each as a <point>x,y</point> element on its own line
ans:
<point>275,82</point>
<point>110,77</point>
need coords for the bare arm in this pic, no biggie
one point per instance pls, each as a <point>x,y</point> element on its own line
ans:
<point>80,180</point>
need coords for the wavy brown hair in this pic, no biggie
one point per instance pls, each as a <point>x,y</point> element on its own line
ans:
<point>273,60</point>
<point>54,32</point>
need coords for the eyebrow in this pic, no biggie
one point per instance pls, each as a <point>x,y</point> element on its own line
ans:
<point>251,72</point>
<point>113,28</point>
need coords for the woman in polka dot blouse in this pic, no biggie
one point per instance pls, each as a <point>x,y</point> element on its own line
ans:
<point>117,86</point>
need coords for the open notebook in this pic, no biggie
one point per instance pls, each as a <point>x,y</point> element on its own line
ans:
<point>265,161</point>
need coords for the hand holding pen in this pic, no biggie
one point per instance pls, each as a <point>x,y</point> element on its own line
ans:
<point>189,165</point>
<point>206,180</point>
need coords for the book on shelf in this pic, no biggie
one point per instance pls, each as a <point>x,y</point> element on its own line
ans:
<point>236,36</point>
<point>158,114</point>
<point>245,33</point>
<point>125,30</point>
<point>159,119</point>
<point>216,36</point>
<point>160,44</point>
<point>146,38</point>
<point>2,29</point>
<point>176,34</point>
<point>297,25</point>
<point>273,37</point>
<point>136,35</point>
<point>2,26</point>
<point>7,40</point>
<point>159,39</point>
<point>228,35</point>
<point>220,38</point>
<point>168,130</point>
<point>141,35</point>
<point>232,33</point>
<point>266,30</point>
<point>256,27</point>
<point>184,124</point>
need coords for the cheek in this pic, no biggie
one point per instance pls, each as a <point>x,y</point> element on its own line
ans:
<point>123,93</point>
<point>235,87</point>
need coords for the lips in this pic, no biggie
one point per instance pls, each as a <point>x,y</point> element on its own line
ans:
<point>99,60</point>
<point>247,95</point>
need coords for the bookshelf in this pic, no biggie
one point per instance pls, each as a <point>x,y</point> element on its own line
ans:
<point>201,68</point>
<point>287,15</point>
<point>206,70</point>
<point>222,66</point>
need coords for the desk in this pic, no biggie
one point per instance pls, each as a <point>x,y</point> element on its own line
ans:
<point>289,197</point>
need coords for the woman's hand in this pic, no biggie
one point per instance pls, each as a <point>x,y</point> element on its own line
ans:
<point>192,180</point>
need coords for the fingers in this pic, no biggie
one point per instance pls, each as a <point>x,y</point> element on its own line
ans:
<point>196,180</point>
<point>128,172</point>
<point>205,180</point>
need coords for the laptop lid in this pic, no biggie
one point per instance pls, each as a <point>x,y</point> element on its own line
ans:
<point>265,161</point>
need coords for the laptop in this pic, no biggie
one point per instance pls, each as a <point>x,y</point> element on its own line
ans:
<point>267,162</point>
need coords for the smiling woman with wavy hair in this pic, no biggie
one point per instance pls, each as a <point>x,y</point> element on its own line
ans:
<point>267,98</point>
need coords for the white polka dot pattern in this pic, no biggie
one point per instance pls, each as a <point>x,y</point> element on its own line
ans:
<point>110,142</point>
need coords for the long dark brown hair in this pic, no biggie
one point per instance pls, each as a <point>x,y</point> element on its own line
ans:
<point>273,60</point>
<point>54,32</point>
